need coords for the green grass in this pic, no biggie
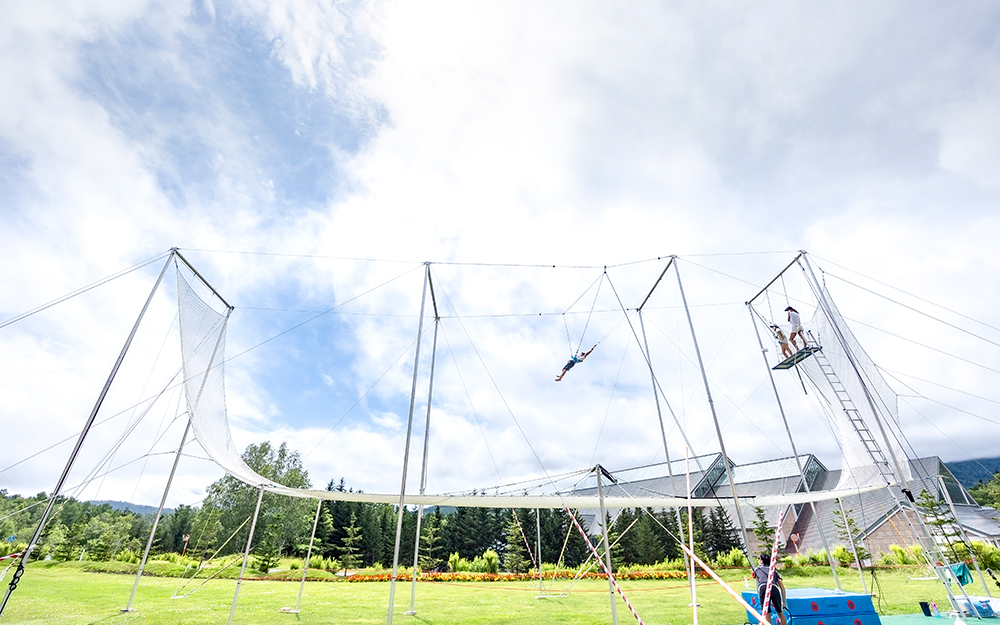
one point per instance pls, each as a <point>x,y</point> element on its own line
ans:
<point>67,594</point>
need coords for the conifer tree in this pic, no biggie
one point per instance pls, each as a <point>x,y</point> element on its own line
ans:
<point>514,560</point>
<point>351,545</point>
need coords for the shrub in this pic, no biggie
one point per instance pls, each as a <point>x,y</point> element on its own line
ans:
<point>457,564</point>
<point>987,555</point>
<point>127,555</point>
<point>734,559</point>
<point>843,556</point>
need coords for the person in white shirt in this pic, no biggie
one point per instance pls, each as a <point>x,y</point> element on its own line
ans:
<point>779,335</point>
<point>796,331</point>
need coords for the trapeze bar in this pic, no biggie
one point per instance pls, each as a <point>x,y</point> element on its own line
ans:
<point>796,358</point>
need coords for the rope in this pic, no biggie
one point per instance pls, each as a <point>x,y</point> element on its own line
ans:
<point>591,314</point>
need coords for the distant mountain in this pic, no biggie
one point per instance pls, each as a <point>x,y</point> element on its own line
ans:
<point>131,507</point>
<point>968,472</point>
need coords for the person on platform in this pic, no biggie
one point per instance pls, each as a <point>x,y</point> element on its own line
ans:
<point>777,598</point>
<point>572,362</point>
<point>779,335</point>
<point>796,331</point>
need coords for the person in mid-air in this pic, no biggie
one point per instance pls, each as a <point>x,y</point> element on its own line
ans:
<point>786,351</point>
<point>572,362</point>
<point>777,598</point>
<point>793,318</point>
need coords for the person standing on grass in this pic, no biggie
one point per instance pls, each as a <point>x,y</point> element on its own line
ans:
<point>777,598</point>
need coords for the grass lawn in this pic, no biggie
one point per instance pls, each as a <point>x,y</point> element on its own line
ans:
<point>60,594</point>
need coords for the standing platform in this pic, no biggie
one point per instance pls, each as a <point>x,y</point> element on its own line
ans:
<point>796,358</point>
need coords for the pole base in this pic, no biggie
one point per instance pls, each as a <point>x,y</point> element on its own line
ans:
<point>127,610</point>
<point>288,610</point>
<point>410,613</point>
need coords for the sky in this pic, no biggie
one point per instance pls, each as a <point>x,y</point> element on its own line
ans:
<point>547,159</point>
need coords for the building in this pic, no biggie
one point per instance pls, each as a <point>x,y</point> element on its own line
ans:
<point>881,518</point>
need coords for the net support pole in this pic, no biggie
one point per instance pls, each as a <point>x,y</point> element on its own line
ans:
<point>694,594</point>
<point>538,546</point>
<point>309,551</point>
<point>423,473</point>
<point>663,434</point>
<point>795,452</point>
<point>19,571</point>
<point>715,417</point>
<point>406,449</point>
<point>607,548</point>
<point>246,554</point>
<point>192,407</point>
<point>156,519</point>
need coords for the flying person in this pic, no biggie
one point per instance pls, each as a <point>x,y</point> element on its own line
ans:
<point>779,335</point>
<point>572,362</point>
<point>793,318</point>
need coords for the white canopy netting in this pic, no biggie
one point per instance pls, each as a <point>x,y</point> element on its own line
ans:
<point>203,334</point>
<point>868,392</point>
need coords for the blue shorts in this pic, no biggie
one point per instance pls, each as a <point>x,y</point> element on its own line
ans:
<point>569,365</point>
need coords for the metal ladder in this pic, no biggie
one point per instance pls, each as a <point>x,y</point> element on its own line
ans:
<point>854,416</point>
<point>878,458</point>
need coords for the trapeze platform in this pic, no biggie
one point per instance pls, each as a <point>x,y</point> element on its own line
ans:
<point>796,358</point>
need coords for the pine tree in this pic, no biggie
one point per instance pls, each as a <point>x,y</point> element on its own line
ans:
<point>762,530</point>
<point>846,529</point>
<point>514,560</point>
<point>942,523</point>
<point>351,545</point>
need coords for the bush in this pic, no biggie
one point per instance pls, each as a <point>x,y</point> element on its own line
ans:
<point>987,555</point>
<point>127,555</point>
<point>489,562</point>
<point>458,564</point>
<point>733,559</point>
<point>843,556</point>
<point>293,565</point>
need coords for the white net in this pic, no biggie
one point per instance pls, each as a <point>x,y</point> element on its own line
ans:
<point>203,347</point>
<point>868,392</point>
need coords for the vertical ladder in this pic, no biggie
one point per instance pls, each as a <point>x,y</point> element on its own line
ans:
<point>878,458</point>
<point>854,416</point>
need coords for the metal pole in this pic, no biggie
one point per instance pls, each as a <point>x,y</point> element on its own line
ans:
<point>305,567</point>
<point>156,519</point>
<point>850,538</point>
<point>246,554</point>
<point>192,407</point>
<point>406,450</point>
<point>715,417</point>
<point>423,474</point>
<point>607,548</point>
<point>694,596</point>
<point>538,547</point>
<point>663,434</point>
<point>19,571</point>
<point>965,535</point>
<point>795,452</point>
